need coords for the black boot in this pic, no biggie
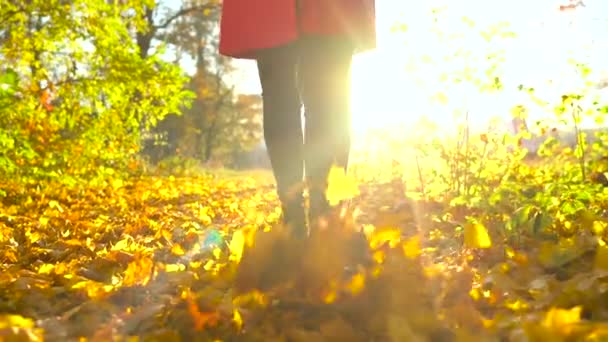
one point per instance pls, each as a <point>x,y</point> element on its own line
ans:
<point>318,205</point>
<point>294,217</point>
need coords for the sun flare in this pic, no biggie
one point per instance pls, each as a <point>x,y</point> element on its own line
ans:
<point>403,80</point>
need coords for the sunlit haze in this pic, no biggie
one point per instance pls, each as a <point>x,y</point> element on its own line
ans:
<point>392,86</point>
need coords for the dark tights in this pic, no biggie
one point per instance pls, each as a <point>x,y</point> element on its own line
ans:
<point>313,72</point>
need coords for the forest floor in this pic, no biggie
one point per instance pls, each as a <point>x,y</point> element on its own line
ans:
<point>201,259</point>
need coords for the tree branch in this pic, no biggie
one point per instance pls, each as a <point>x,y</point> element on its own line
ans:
<point>183,12</point>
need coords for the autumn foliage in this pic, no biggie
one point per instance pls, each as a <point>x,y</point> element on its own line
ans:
<point>462,237</point>
<point>204,258</point>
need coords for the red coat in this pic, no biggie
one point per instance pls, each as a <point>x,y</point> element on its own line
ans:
<point>251,25</point>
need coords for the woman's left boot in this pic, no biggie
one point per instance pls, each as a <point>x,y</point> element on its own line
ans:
<point>294,217</point>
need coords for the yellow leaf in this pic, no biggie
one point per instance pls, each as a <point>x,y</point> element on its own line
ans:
<point>237,244</point>
<point>174,267</point>
<point>368,230</point>
<point>562,319</point>
<point>254,297</point>
<point>204,215</point>
<point>357,284</point>
<point>46,269</point>
<point>330,297</point>
<point>476,236</point>
<point>340,186</point>
<point>55,205</point>
<point>61,268</point>
<point>44,221</point>
<point>381,236</point>
<point>379,256</point>
<point>488,323</point>
<point>516,305</point>
<point>238,319</point>
<point>217,252</point>
<point>33,236</point>
<point>13,321</point>
<point>117,183</point>
<point>598,227</point>
<point>163,232</point>
<point>98,291</point>
<point>475,293</point>
<point>178,250</point>
<point>411,247</point>
<point>122,244</point>
<point>158,184</point>
<point>138,272</point>
<point>249,235</point>
<point>209,265</point>
<point>376,271</point>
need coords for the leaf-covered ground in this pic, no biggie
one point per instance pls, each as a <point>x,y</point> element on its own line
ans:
<point>201,259</point>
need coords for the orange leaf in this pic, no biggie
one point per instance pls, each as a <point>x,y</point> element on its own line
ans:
<point>201,319</point>
<point>45,100</point>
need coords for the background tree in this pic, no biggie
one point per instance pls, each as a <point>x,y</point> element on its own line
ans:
<point>70,113</point>
<point>217,125</point>
<point>162,20</point>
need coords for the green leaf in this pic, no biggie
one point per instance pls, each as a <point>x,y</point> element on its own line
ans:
<point>8,82</point>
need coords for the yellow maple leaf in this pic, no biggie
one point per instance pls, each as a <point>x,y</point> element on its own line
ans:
<point>44,221</point>
<point>33,236</point>
<point>330,297</point>
<point>178,250</point>
<point>356,284</point>
<point>254,297</point>
<point>379,256</point>
<point>476,236</point>
<point>217,252</point>
<point>138,271</point>
<point>237,245</point>
<point>174,267</point>
<point>238,320</point>
<point>340,186</point>
<point>11,321</point>
<point>122,244</point>
<point>55,205</point>
<point>384,235</point>
<point>46,268</point>
<point>117,183</point>
<point>204,214</point>
<point>562,320</point>
<point>411,247</point>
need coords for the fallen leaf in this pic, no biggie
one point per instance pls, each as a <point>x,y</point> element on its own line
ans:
<point>476,236</point>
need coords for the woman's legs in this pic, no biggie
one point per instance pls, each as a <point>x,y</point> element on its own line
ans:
<point>283,129</point>
<point>325,77</point>
<point>322,67</point>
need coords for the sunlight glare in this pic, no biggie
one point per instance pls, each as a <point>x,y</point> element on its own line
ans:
<point>392,87</point>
